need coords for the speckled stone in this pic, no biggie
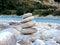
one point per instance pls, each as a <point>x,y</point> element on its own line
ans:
<point>28,31</point>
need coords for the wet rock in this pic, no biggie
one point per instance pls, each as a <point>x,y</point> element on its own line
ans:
<point>28,31</point>
<point>27,15</point>
<point>38,42</point>
<point>28,24</point>
<point>7,38</point>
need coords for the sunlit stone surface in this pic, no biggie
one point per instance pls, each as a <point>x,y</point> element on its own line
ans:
<point>7,38</point>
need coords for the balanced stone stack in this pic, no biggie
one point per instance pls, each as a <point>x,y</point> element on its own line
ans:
<point>27,24</point>
<point>28,20</point>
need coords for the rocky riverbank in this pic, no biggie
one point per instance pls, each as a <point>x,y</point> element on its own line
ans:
<point>36,16</point>
<point>29,32</point>
<point>49,16</point>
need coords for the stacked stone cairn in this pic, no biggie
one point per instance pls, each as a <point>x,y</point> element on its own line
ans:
<point>27,30</point>
<point>27,24</point>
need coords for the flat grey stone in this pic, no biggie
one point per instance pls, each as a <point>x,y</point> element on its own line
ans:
<point>28,31</point>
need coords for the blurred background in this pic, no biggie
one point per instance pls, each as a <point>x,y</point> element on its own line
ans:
<point>36,7</point>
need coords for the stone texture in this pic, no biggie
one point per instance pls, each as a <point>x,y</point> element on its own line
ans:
<point>28,19</point>
<point>57,36</point>
<point>7,38</point>
<point>14,23</point>
<point>32,37</point>
<point>13,31</point>
<point>51,42</point>
<point>58,27</point>
<point>38,42</point>
<point>28,31</point>
<point>25,42</point>
<point>17,27</point>
<point>28,24</point>
<point>27,15</point>
<point>4,26</point>
<point>48,34</point>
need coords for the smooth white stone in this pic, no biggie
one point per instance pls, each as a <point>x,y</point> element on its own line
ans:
<point>32,37</point>
<point>18,27</point>
<point>28,24</point>
<point>57,36</point>
<point>14,31</point>
<point>51,42</point>
<point>7,38</point>
<point>4,26</point>
<point>46,25</point>
<point>28,19</point>
<point>47,34</point>
<point>27,15</point>
<point>38,42</point>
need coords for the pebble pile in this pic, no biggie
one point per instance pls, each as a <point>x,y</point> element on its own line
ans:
<point>29,32</point>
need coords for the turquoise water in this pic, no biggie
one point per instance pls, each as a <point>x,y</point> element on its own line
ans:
<point>47,20</point>
<point>36,19</point>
